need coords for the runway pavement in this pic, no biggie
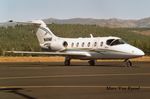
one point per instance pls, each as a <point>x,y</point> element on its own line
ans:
<point>106,80</point>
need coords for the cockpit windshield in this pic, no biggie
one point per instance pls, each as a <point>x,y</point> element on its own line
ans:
<point>112,42</point>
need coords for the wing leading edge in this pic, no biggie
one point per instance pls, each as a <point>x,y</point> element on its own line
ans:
<point>67,53</point>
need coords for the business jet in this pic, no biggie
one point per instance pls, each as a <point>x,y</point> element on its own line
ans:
<point>91,48</point>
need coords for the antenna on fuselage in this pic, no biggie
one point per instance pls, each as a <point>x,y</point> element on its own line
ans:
<point>91,35</point>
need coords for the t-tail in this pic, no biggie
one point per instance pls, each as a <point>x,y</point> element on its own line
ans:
<point>44,34</point>
<point>48,41</point>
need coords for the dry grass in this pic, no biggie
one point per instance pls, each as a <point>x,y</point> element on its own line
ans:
<point>31,59</point>
<point>53,59</point>
<point>146,32</point>
<point>145,58</point>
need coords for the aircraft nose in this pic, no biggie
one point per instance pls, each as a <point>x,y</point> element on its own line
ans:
<point>138,52</point>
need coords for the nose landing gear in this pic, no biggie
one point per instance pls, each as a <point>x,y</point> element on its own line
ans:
<point>128,63</point>
<point>91,62</point>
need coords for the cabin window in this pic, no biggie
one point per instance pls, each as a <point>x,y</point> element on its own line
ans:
<point>95,43</point>
<point>88,44</point>
<point>83,44</point>
<point>101,44</point>
<point>72,44</point>
<point>77,45</point>
<point>65,44</point>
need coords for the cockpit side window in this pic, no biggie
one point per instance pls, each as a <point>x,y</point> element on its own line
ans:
<point>112,42</point>
<point>108,42</point>
<point>117,42</point>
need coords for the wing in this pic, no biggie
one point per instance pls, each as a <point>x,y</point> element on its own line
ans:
<point>67,53</point>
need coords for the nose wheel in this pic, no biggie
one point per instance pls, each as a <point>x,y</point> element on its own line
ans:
<point>67,61</point>
<point>128,63</point>
<point>91,62</point>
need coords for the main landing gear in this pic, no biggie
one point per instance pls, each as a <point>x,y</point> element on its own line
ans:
<point>67,61</point>
<point>128,63</point>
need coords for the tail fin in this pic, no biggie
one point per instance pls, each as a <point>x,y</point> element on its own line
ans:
<point>43,33</point>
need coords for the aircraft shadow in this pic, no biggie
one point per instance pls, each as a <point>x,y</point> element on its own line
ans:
<point>61,64</point>
<point>16,91</point>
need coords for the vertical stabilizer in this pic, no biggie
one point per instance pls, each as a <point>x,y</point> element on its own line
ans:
<point>44,34</point>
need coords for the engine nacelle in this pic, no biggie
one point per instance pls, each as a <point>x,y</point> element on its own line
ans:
<point>58,45</point>
<point>55,45</point>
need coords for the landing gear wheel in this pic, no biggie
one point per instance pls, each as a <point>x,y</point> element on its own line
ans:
<point>91,62</point>
<point>128,63</point>
<point>67,61</point>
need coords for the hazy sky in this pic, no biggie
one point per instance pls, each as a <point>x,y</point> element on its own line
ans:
<point>20,10</point>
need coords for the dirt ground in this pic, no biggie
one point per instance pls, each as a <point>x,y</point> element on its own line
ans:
<point>53,59</point>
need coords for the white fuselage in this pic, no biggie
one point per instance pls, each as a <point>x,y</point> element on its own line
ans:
<point>96,48</point>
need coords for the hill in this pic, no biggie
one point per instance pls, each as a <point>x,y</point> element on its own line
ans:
<point>115,23</point>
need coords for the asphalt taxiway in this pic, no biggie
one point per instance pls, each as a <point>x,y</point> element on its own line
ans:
<point>106,80</point>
